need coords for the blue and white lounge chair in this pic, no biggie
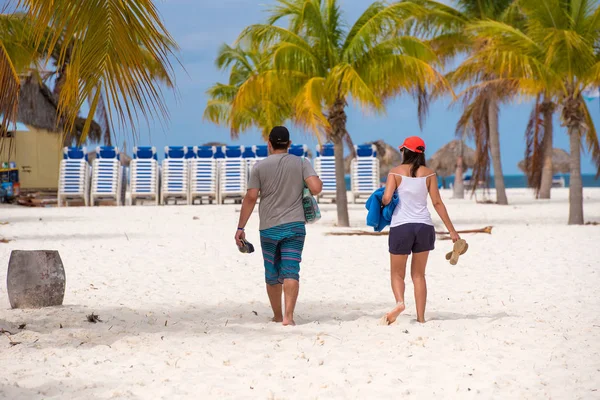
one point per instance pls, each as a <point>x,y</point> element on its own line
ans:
<point>203,174</point>
<point>175,174</point>
<point>233,174</point>
<point>107,176</point>
<point>300,150</point>
<point>364,171</point>
<point>74,176</point>
<point>325,167</point>
<point>144,175</point>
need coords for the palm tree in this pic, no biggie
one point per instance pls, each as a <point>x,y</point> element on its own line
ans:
<point>553,53</point>
<point>317,65</point>
<point>114,51</point>
<point>538,154</point>
<point>484,94</point>
<point>245,64</point>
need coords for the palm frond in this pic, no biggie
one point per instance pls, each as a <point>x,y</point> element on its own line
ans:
<point>308,106</point>
<point>534,149</point>
<point>591,138</point>
<point>9,95</point>
<point>120,46</point>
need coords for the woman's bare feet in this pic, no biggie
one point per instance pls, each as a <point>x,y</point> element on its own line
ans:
<point>393,315</point>
<point>288,321</point>
<point>277,319</point>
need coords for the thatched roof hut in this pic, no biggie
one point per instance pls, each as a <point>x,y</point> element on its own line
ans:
<point>389,157</point>
<point>38,108</point>
<point>561,163</point>
<point>443,161</point>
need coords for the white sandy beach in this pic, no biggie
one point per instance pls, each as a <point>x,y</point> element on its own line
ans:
<point>185,315</point>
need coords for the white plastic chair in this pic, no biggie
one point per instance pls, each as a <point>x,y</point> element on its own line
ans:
<point>175,175</point>
<point>107,176</point>
<point>144,175</point>
<point>203,174</point>
<point>74,176</point>
<point>364,171</point>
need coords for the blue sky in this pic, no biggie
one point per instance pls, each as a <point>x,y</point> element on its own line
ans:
<point>201,26</point>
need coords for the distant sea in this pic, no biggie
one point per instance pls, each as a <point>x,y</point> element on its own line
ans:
<point>515,181</point>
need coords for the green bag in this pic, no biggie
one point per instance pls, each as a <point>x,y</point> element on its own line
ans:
<point>311,208</point>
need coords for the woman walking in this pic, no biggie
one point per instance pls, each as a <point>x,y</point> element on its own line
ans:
<point>411,229</point>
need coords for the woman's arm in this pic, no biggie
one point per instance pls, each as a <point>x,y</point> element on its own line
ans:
<point>390,187</point>
<point>440,208</point>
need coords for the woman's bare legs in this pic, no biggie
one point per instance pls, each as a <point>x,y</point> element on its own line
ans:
<point>417,272</point>
<point>397,275</point>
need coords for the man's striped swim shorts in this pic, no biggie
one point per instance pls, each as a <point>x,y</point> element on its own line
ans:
<point>282,247</point>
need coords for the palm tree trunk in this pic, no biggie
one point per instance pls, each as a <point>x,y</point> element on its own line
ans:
<point>547,168</point>
<point>459,184</point>
<point>341,198</point>
<point>575,185</point>
<point>337,120</point>
<point>495,153</point>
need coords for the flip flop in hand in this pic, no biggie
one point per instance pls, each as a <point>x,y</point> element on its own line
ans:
<point>460,247</point>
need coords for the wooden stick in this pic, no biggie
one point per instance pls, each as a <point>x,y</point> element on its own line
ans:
<point>487,229</point>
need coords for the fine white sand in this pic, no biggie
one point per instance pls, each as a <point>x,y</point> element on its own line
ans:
<point>185,315</point>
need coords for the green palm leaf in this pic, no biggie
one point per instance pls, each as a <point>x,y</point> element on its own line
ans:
<point>118,50</point>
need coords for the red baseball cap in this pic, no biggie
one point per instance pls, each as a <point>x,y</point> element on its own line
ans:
<point>414,144</point>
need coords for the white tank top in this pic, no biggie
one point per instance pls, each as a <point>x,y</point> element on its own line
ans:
<point>412,203</point>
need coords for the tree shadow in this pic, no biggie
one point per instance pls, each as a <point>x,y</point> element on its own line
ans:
<point>67,325</point>
<point>76,236</point>
<point>48,390</point>
<point>448,316</point>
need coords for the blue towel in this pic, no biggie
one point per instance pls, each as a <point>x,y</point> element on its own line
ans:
<point>379,217</point>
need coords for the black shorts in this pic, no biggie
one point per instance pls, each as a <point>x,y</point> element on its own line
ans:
<point>411,238</point>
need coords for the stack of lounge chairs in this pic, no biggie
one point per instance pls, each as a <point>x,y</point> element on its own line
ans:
<point>324,164</point>
<point>107,176</point>
<point>74,176</point>
<point>203,175</point>
<point>364,171</point>
<point>144,175</point>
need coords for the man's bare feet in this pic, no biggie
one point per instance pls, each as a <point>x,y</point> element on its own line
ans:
<point>393,315</point>
<point>288,321</point>
<point>277,319</point>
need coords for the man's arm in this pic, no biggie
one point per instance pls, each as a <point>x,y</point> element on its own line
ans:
<point>247,208</point>
<point>311,179</point>
<point>248,205</point>
<point>314,184</point>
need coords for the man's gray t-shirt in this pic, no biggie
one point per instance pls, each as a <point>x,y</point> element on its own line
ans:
<point>280,180</point>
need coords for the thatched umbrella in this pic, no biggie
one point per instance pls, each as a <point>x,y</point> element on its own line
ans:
<point>389,157</point>
<point>443,161</point>
<point>38,108</point>
<point>560,162</point>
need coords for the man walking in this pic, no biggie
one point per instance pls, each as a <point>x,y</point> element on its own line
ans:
<point>280,180</point>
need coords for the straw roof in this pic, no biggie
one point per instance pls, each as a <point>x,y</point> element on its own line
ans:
<point>38,108</point>
<point>389,157</point>
<point>443,161</point>
<point>561,163</point>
